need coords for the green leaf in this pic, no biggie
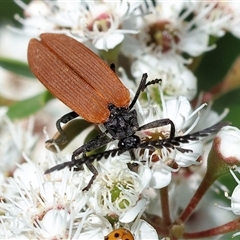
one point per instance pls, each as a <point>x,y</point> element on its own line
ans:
<point>28,106</point>
<point>215,64</point>
<point>15,66</point>
<point>7,11</point>
<point>230,100</point>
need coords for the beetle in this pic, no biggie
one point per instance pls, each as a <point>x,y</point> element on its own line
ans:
<point>119,234</point>
<point>64,67</point>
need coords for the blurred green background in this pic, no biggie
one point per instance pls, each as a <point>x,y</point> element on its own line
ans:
<point>7,10</point>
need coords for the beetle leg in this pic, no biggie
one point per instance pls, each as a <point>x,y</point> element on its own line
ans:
<point>112,66</point>
<point>95,143</point>
<point>160,123</point>
<point>64,119</point>
<point>94,176</point>
<point>132,154</point>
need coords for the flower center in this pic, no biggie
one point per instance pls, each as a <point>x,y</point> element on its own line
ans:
<point>161,35</point>
<point>102,23</point>
<point>116,195</point>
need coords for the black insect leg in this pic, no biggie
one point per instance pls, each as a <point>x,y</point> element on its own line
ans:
<point>64,119</point>
<point>154,124</point>
<point>94,176</point>
<point>95,143</point>
<point>132,154</point>
<point>74,164</point>
<point>160,123</point>
<point>112,66</point>
<point>77,161</point>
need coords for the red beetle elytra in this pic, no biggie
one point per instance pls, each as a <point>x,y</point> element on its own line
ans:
<point>76,76</point>
<point>81,80</point>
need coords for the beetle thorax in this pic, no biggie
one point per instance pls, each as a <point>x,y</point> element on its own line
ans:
<point>121,122</point>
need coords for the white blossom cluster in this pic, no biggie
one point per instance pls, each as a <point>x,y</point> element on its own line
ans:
<point>159,38</point>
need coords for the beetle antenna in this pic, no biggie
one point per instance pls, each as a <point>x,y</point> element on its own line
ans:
<point>98,156</point>
<point>174,143</point>
<point>142,87</point>
<point>169,144</point>
<point>207,131</point>
<point>155,81</point>
<point>78,162</point>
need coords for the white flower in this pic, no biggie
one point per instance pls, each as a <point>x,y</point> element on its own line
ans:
<point>176,78</point>
<point>143,230</point>
<point>233,25</point>
<point>235,201</point>
<point>117,190</point>
<point>219,17</point>
<point>95,21</point>
<point>165,30</point>
<point>164,160</point>
<point>35,21</point>
<point>163,172</point>
<point>14,139</point>
<point>44,209</point>
<point>104,20</point>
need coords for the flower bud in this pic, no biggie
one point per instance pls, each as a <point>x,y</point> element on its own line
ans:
<point>227,143</point>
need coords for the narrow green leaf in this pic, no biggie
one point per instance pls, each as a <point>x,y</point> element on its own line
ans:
<point>15,66</point>
<point>28,106</point>
<point>72,129</point>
